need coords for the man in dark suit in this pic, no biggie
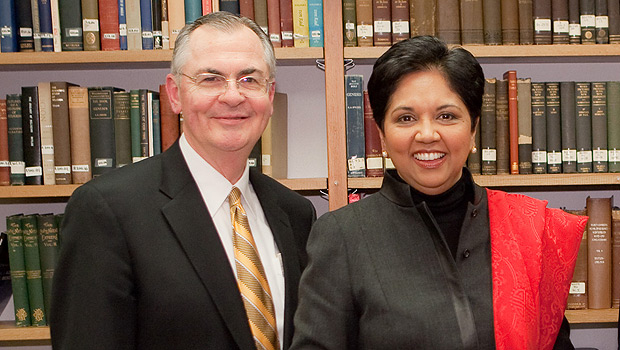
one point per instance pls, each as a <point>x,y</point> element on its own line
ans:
<point>147,258</point>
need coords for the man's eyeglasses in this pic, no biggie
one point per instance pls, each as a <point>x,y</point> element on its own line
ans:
<point>211,84</point>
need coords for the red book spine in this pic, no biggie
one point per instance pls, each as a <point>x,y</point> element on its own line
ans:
<point>206,7</point>
<point>513,120</point>
<point>246,8</point>
<point>108,25</point>
<point>286,23</point>
<point>273,22</point>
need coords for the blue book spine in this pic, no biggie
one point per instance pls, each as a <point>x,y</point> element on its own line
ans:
<point>122,24</point>
<point>356,147</point>
<point>45,25</point>
<point>193,10</point>
<point>8,26</point>
<point>146,19</point>
<point>315,22</point>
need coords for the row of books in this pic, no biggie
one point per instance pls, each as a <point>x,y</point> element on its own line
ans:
<point>33,245</point>
<point>91,25</point>
<point>482,22</point>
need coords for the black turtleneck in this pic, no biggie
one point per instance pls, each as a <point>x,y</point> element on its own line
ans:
<point>449,208</point>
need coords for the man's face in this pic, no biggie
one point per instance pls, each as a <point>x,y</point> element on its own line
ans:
<point>230,123</point>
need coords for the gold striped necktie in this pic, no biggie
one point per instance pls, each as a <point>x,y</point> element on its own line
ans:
<point>251,278</point>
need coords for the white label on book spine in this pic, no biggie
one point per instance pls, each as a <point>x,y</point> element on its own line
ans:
<point>47,149</point>
<point>103,162</point>
<point>569,155</point>
<point>577,288</point>
<point>47,36</point>
<point>383,26</point>
<point>137,159</point>
<point>90,25</point>
<point>599,155</point>
<point>18,167</point>
<point>574,29</point>
<point>122,29</point>
<point>587,20</point>
<point>147,35</point>
<point>374,163</point>
<point>34,171</point>
<point>554,158</point>
<point>252,162</point>
<point>539,157</point>
<point>157,32</point>
<point>265,30</point>
<point>584,157</point>
<point>37,35</point>
<point>614,155</point>
<point>364,31</point>
<point>77,168</point>
<point>542,24</point>
<point>289,35</point>
<point>400,27</point>
<point>274,37</point>
<point>347,26</point>
<point>6,31</point>
<point>602,22</point>
<point>134,31</point>
<point>62,170</point>
<point>5,164</point>
<point>356,164</point>
<point>266,159</point>
<point>489,155</point>
<point>560,27</point>
<point>25,32</point>
<point>389,164</point>
<point>315,34</point>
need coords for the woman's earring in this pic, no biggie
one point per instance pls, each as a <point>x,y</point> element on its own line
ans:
<point>474,150</point>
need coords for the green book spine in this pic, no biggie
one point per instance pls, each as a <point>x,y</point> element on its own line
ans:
<point>502,133</point>
<point>599,127</point>
<point>487,123</point>
<point>33,270</point>
<point>554,134</point>
<point>59,218</point>
<point>144,124</point>
<point>16,138</point>
<point>71,25</point>
<point>583,127</point>
<point>48,252</point>
<point>18,270</point>
<point>122,128</point>
<point>568,132</point>
<point>349,21</point>
<point>134,115</point>
<point>613,125</point>
<point>101,113</point>
<point>539,129</point>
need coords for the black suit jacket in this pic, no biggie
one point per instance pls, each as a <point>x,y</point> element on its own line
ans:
<point>142,266</point>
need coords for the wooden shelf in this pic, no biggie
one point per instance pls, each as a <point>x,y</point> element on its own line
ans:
<point>311,184</point>
<point>592,316</point>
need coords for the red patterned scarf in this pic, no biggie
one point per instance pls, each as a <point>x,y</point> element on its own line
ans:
<point>533,254</point>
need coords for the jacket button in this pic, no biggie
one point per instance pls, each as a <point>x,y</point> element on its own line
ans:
<point>466,253</point>
<point>474,213</point>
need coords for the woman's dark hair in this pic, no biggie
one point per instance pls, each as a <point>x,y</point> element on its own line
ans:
<point>424,53</point>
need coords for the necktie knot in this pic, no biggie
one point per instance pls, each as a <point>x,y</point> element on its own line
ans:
<point>234,198</point>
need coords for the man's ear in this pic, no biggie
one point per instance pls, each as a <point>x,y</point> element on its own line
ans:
<point>174,93</point>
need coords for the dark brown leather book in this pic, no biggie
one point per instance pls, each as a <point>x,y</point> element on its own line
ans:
<point>382,17</point>
<point>5,165</point>
<point>541,11</point>
<point>513,120</point>
<point>599,252</point>
<point>510,22</point>
<point>539,129</point>
<point>90,25</point>
<point>108,25</point>
<point>502,127</point>
<point>169,120</point>
<point>349,20</point>
<point>526,22</point>
<point>487,123</point>
<point>246,8</point>
<point>568,119</point>
<point>422,17</point>
<point>554,127</point>
<point>613,125</point>
<point>448,23</point>
<point>613,11</point>
<point>81,170</point>
<point>400,20</point>
<point>492,22</point>
<point>472,32</point>
<point>559,16</point>
<point>286,23</point>
<point>374,155</point>
<point>583,127</point>
<point>602,22</point>
<point>363,12</point>
<point>578,292</point>
<point>615,258</point>
<point>524,103</point>
<point>599,127</point>
<point>587,9</point>
<point>273,22</point>
<point>574,24</point>
<point>62,134</point>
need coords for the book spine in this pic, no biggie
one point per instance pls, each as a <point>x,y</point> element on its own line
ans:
<point>539,129</point>
<point>134,24</point>
<point>16,139</point>
<point>615,258</point>
<point>578,292</point>
<point>5,165</point>
<point>45,25</point>
<point>574,24</point>
<point>423,17</point>
<point>90,25</point>
<point>510,22</point>
<point>38,316</point>
<point>513,120</point>
<point>48,253</point>
<point>300,24</point>
<point>102,146</point>
<point>261,17</point>
<point>62,135</point>
<point>524,99</point>
<point>156,24</point>
<point>599,127</point>
<point>541,12</point>
<point>122,25</point>
<point>613,10</point>
<point>144,131</point>
<point>169,120</point>
<point>583,127</point>
<point>374,155</point>
<point>231,6</point>
<point>32,137</point>
<point>526,22</point>
<point>448,23</point>
<point>472,32</point>
<point>599,252</point>
<point>400,20</point>
<point>17,264</point>
<point>134,112</point>
<point>502,123</point>
<point>146,25</point>
<point>36,24</point>
<point>193,10</point>
<point>46,133</point>
<point>559,16</point>
<point>8,24</point>
<point>349,20</point>
<point>587,19</point>
<point>156,119</point>
<point>613,125</point>
<point>165,25</point>
<point>70,12</point>
<point>25,38</point>
<point>122,128</point>
<point>354,101</point>
<point>382,22</point>
<point>364,25</point>
<point>474,159</point>
<point>246,8</point>
<point>79,127</point>
<point>567,128</point>
<point>601,20</point>
<point>554,133</point>
<point>488,122</point>
<point>315,22</point>
<point>286,22</point>
<point>209,6</point>
<point>492,22</point>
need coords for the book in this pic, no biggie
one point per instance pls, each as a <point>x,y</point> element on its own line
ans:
<point>448,24</point>
<point>615,257</point>
<point>541,12</point>
<point>55,17</point>
<point>38,315</point>
<point>301,32</point>
<point>122,24</point>
<point>568,126</point>
<point>231,6</point>
<point>554,134</point>
<point>143,124</point>
<point>32,136</point>
<point>559,16</point>
<point>574,24</point>
<point>354,104</point>
<point>8,26</point>
<point>15,139</point>
<point>5,165</point>
<point>62,133</point>
<point>599,127</point>
<point>474,160</point>
<point>492,22</point>
<point>246,8</point>
<point>156,24</point>
<point>422,16</point>
<point>613,11</point>
<point>382,22</point>
<point>286,22</point>
<point>502,127</point>
<point>349,20</point>
<point>36,24</point>
<point>79,128</point>
<point>526,22</point>
<point>134,25</point>
<point>510,22</point>
<point>193,10</point>
<point>101,114</point>
<point>587,20</point>
<point>176,19</point>
<point>155,124</point>
<point>146,25</point>
<point>47,229</point>
<point>599,252</point>
<point>109,25</point>
<point>488,122</point>
<point>70,12</point>
<point>400,20</point>
<point>613,125</point>
<point>46,132</point>
<point>274,141</point>
<point>90,25</point>
<point>122,128</point>
<point>539,129</point>
<point>578,292</point>
<point>524,116</point>
<point>169,120</point>
<point>5,273</point>
<point>364,24</point>
<point>17,263</point>
<point>472,31</point>
<point>45,25</point>
<point>25,38</point>
<point>372,141</point>
<point>513,120</point>
<point>315,22</point>
<point>583,127</point>
<point>601,22</point>
<point>270,20</point>
<point>209,6</point>
<point>165,25</point>
<point>135,117</point>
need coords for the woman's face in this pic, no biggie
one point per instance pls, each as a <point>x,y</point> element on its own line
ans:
<point>427,132</point>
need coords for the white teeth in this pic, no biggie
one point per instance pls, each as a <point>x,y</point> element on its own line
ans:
<point>428,156</point>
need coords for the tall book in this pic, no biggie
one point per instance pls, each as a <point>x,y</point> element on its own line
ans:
<point>349,20</point>
<point>526,22</point>
<point>79,127</point>
<point>510,22</point>
<point>422,17</point>
<point>38,315</point>
<point>165,25</point>
<point>583,127</point>
<point>108,25</point>
<point>487,129</point>
<point>45,25</point>
<point>146,24</point>
<point>193,10</point>
<point>574,24</point>
<point>286,22</point>
<point>615,257</point>
<point>154,119</point>
<point>122,24</point>
<point>554,128</point>
<point>46,132</point>
<point>524,104</point>
<point>382,22</point>
<point>599,252</point>
<point>474,160</point>
<point>32,136</point>
<point>169,120</point>
<point>176,19</point>
<point>301,32</point>
<point>315,23</point>
<point>492,22</point>
<point>578,292</point>
<point>261,17</point>
<point>62,133</point>
<point>209,6</point>
<point>90,25</point>
<point>231,6</point>
<point>613,125</point>
<point>5,165</point>
<point>354,104</point>
<point>513,120</point>
<point>567,128</point>
<point>36,24</point>
<point>156,24</point>
<point>601,20</point>
<point>448,24</point>
<point>122,128</point>
<point>502,127</point>
<point>400,20</point>
<point>364,25</point>
<point>472,31</point>
<point>271,22</point>
<point>17,264</point>
<point>101,113</point>
<point>255,157</point>
<point>8,24</point>
<point>599,127</point>
<point>70,12</point>
<point>372,141</point>
<point>587,9</point>
<point>246,8</point>
<point>274,141</point>
<point>541,12</point>
<point>539,129</point>
<point>25,38</point>
<point>135,117</point>
<point>613,10</point>
<point>143,122</point>
<point>48,253</point>
<point>54,7</point>
<point>15,138</point>
<point>559,15</point>
<point>134,25</point>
